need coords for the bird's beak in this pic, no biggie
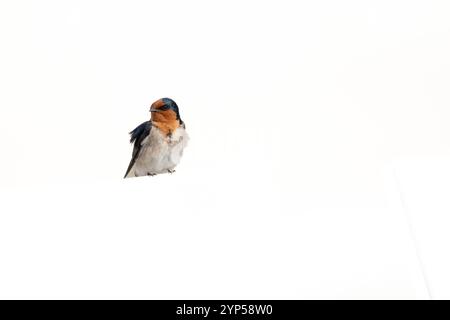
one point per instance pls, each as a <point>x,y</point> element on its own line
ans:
<point>154,110</point>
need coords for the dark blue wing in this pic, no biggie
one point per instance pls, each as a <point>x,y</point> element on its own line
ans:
<point>137,136</point>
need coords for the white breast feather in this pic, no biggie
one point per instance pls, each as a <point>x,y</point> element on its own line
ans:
<point>160,154</point>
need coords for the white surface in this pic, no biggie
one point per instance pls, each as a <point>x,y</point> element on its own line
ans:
<point>425,184</point>
<point>294,109</point>
<point>190,240</point>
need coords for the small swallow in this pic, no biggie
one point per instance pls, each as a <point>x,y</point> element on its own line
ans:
<point>159,142</point>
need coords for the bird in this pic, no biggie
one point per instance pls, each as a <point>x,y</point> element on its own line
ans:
<point>158,142</point>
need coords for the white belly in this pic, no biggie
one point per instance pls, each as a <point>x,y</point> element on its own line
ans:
<point>160,154</point>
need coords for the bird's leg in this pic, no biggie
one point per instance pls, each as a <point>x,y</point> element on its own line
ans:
<point>170,170</point>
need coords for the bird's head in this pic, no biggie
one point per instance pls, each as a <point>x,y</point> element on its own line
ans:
<point>165,110</point>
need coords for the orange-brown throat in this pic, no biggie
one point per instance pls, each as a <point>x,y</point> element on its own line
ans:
<point>166,121</point>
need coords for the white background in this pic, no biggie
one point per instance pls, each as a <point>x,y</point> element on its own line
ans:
<point>319,142</point>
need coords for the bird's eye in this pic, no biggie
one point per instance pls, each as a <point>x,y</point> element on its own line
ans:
<point>164,107</point>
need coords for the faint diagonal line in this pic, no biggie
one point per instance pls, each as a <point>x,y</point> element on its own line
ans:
<point>411,231</point>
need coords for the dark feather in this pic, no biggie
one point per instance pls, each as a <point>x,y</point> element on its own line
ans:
<point>137,136</point>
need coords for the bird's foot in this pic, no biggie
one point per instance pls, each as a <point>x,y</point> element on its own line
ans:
<point>151,174</point>
<point>170,171</point>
